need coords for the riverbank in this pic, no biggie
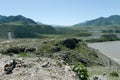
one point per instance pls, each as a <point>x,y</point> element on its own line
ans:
<point>110,49</point>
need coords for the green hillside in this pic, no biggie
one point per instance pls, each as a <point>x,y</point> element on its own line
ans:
<point>22,27</point>
<point>19,19</point>
<point>113,20</point>
<point>25,31</point>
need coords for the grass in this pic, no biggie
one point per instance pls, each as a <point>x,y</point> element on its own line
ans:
<point>44,49</point>
<point>23,54</point>
<point>114,74</point>
<point>97,70</point>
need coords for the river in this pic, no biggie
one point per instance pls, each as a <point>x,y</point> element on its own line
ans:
<point>110,49</point>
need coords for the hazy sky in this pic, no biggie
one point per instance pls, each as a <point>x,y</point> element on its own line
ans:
<point>60,12</point>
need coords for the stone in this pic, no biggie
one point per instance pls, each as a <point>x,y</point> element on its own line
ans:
<point>30,49</point>
<point>56,49</point>
<point>8,68</point>
<point>45,64</point>
<point>70,43</point>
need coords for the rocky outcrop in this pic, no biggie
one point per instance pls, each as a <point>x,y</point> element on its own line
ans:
<point>37,68</point>
<point>70,43</point>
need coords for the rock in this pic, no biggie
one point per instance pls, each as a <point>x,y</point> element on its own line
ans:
<point>83,61</point>
<point>67,68</point>
<point>30,49</point>
<point>56,49</point>
<point>96,78</point>
<point>45,42</point>
<point>70,43</point>
<point>45,64</point>
<point>20,63</point>
<point>66,56</point>
<point>62,55</point>
<point>8,68</point>
<point>15,50</point>
<point>47,69</point>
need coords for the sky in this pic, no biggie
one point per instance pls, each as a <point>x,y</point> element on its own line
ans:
<point>60,12</point>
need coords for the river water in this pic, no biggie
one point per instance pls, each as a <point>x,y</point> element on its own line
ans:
<point>110,49</point>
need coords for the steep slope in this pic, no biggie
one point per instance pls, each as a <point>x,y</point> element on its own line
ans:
<point>102,21</point>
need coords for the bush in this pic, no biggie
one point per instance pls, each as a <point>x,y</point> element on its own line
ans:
<point>81,71</point>
<point>110,37</point>
<point>104,37</point>
<point>114,73</point>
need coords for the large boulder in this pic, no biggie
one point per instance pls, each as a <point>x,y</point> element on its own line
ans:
<point>70,43</point>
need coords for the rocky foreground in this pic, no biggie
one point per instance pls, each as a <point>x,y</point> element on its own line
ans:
<point>38,68</point>
<point>36,59</point>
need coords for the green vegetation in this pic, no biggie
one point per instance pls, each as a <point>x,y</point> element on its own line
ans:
<point>83,34</point>
<point>22,27</point>
<point>81,71</point>
<point>73,32</point>
<point>104,38</point>
<point>104,72</point>
<point>16,20</point>
<point>114,74</point>
<point>71,50</point>
<point>26,31</point>
<point>77,56</point>
<point>58,43</point>
<point>113,20</point>
<point>23,54</point>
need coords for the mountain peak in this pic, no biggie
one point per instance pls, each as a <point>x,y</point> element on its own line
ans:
<point>114,16</point>
<point>102,21</point>
<point>19,19</point>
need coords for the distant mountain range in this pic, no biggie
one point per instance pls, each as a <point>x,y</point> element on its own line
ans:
<point>17,20</point>
<point>102,21</point>
<point>22,27</point>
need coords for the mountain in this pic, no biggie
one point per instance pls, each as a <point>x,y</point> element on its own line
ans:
<point>39,23</point>
<point>25,31</point>
<point>2,17</point>
<point>102,21</point>
<point>22,27</point>
<point>19,19</point>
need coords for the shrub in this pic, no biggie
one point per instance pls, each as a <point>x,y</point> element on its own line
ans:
<point>81,71</point>
<point>114,73</point>
<point>104,37</point>
<point>109,37</point>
